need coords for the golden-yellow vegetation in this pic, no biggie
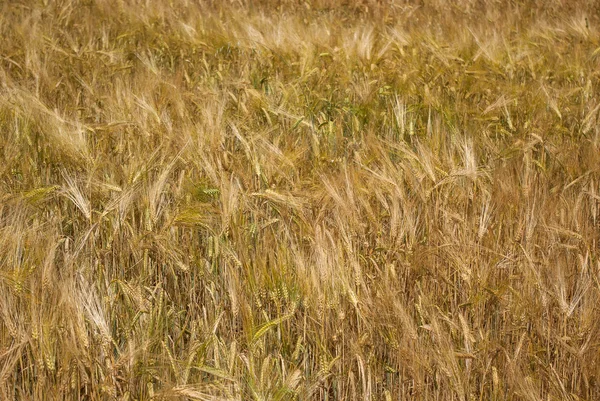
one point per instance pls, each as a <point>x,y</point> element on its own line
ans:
<point>299,200</point>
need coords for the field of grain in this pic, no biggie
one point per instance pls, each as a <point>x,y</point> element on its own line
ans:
<point>300,200</point>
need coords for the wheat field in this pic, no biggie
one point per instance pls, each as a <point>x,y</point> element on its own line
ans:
<point>300,200</point>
